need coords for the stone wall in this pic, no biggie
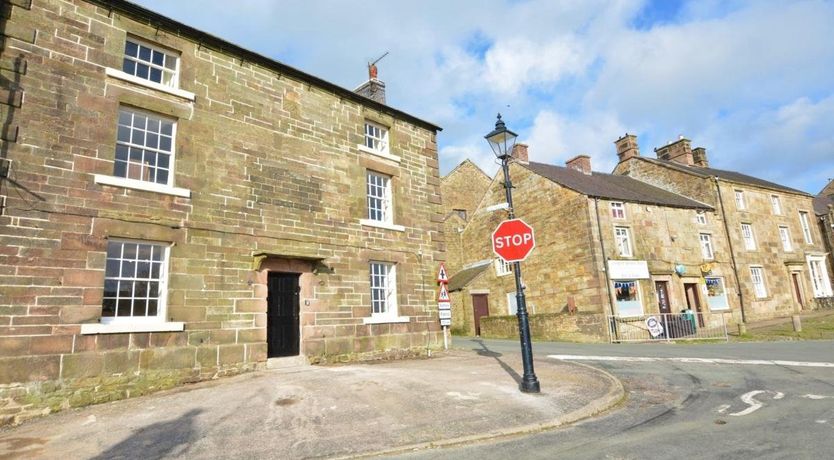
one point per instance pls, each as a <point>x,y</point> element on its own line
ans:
<point>462,190</point>
<point>270,162</point>
<point>561,327</point>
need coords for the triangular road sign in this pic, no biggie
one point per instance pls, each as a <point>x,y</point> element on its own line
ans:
<point>443,296</point>
<point>442,276</point>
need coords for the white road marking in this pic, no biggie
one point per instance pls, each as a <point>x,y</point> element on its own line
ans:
<point>821,421</point>
<point>756,362</point>
<point>809,396</point>
<point>747,398</point>
<point>723,408</point>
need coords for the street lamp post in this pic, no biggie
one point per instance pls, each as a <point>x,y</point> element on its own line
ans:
<point>502,141</point>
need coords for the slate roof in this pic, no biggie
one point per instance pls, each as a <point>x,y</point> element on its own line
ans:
<point>613,187</point>
<point>731,176</point>
<point>460,279</point>
<point>821,203</point>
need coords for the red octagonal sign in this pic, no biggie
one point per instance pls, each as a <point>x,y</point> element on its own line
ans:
<point>513,240</point>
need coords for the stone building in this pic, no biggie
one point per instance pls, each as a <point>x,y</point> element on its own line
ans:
<point>776,248</point>
<point>605,245</point>
<point>462,190</point>
<point>824,208</point>
<point>175,208</point>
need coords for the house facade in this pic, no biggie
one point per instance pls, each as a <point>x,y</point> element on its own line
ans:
<point>775,246</point>
<point>824,208</point>
<point>176,208</point>
<point>606,246</point>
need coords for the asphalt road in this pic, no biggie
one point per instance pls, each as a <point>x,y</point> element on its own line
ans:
<point>749,400</point>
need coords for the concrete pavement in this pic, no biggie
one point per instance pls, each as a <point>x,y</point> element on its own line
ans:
<point>340,411</point>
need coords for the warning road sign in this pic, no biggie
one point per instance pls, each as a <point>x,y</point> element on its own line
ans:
<point>443,296</point>
<point>442,276</point>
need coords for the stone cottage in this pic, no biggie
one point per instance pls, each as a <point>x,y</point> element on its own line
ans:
<point>824,208</point>
<point>606,245</point>
<point>775,246</point>
<point>176,208</point>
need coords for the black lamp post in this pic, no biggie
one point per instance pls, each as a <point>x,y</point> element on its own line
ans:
<point>502,141</point>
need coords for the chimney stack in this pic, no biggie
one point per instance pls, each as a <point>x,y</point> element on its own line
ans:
<point>520,153</point>
<point>627,147</point>
<point>581,163</point>
<point>699,157</point>
<point>373,88</point>
<point>679,151</point>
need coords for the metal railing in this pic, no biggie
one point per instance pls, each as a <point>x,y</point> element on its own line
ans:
<point>667,327</point>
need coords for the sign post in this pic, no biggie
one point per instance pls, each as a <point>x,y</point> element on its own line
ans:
<point>444,304</point>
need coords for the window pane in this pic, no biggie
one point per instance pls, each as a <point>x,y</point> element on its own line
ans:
<point>156,75</point>
<point>129,67</point>
<point>108,307</point>
<point>144,53</point>
<point>157,58</point>
<point>131,49</point>
<point>142,71</point>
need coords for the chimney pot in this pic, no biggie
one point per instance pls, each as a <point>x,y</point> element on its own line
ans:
<point>520,153</point>
<point>627,147</point>
<point>581,163</point>
<point>699,157</point>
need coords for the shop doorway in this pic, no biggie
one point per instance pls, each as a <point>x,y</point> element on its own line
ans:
<point>693,302</point>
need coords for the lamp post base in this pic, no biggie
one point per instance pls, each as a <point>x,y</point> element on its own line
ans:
<point>530,386</point>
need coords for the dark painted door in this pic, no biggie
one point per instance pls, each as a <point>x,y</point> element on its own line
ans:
<point>282,327</point>
<point>662,289</point>
<point>797,290</point>
<point>480,305</point>
<point>692,301</point>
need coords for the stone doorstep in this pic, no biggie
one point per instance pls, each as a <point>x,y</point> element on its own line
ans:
<point>287,362</point>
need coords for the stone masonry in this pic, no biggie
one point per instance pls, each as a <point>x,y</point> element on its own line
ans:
<point>268,177</point>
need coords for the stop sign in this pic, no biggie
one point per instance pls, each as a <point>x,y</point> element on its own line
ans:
<point>513,240</point>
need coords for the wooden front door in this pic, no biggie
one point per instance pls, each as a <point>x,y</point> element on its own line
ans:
<point>282,327</point>
<point>480,307</point>
<point>692,300</point>
<point>797,290</point>
<point>662,290</point>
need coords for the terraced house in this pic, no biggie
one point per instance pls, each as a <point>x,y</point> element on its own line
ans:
<point>175,208</point>
<point>776,247</point>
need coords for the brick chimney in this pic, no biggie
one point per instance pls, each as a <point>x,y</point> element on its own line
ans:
<point>699,157</point>
<point>520,153</point>
<point>626,147</point>
<point>679,151</point>
<point>580,163</point>
<point>373,88</point>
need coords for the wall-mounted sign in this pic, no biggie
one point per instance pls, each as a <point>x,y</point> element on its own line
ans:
<point>628,269</point>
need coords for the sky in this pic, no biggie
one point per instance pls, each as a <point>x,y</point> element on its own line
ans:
<point>750,81</point>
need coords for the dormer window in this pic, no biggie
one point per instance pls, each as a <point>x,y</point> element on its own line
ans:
<point>151,63</point>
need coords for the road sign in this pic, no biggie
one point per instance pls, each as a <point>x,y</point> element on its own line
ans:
<point>445,314</point>
<point>445,322</point>
<point>444,306</point>
<point>655,328</point>
<point>443,295</point>
<point>442,276</point>
<point>513,240</point>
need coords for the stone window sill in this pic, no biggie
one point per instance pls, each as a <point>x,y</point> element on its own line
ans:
<point>118,74</point>
<point>121,328</point>
<point>141,185</point>
<point>374,223</point>
<point>386,319</point>
<point>387,156</point>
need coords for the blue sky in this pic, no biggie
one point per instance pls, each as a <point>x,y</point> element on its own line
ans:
<point>751,81</point>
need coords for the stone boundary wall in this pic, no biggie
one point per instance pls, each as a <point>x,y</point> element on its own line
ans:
<point>581,327</point>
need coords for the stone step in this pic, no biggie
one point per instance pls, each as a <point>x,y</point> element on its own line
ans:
<point>287,362</point>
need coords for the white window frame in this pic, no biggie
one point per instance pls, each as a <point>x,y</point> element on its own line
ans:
<point>382,278</point>
<point>776,204</point>
<point>757,277</point>
<point>172,74</point>
<point>622,241</point>
<point>748,237</point>
<point>701,217</point>
<point>379,197</point>
<point>502,267</point>
<point>741,204</point>
<point>785,237</point>
<point>806,227</point>
<point>512,303</point>
<point>141,183</point>
<point>130,323</point>
<point>818,272</point>
<point>618,207</point>
<point>707,250</point>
